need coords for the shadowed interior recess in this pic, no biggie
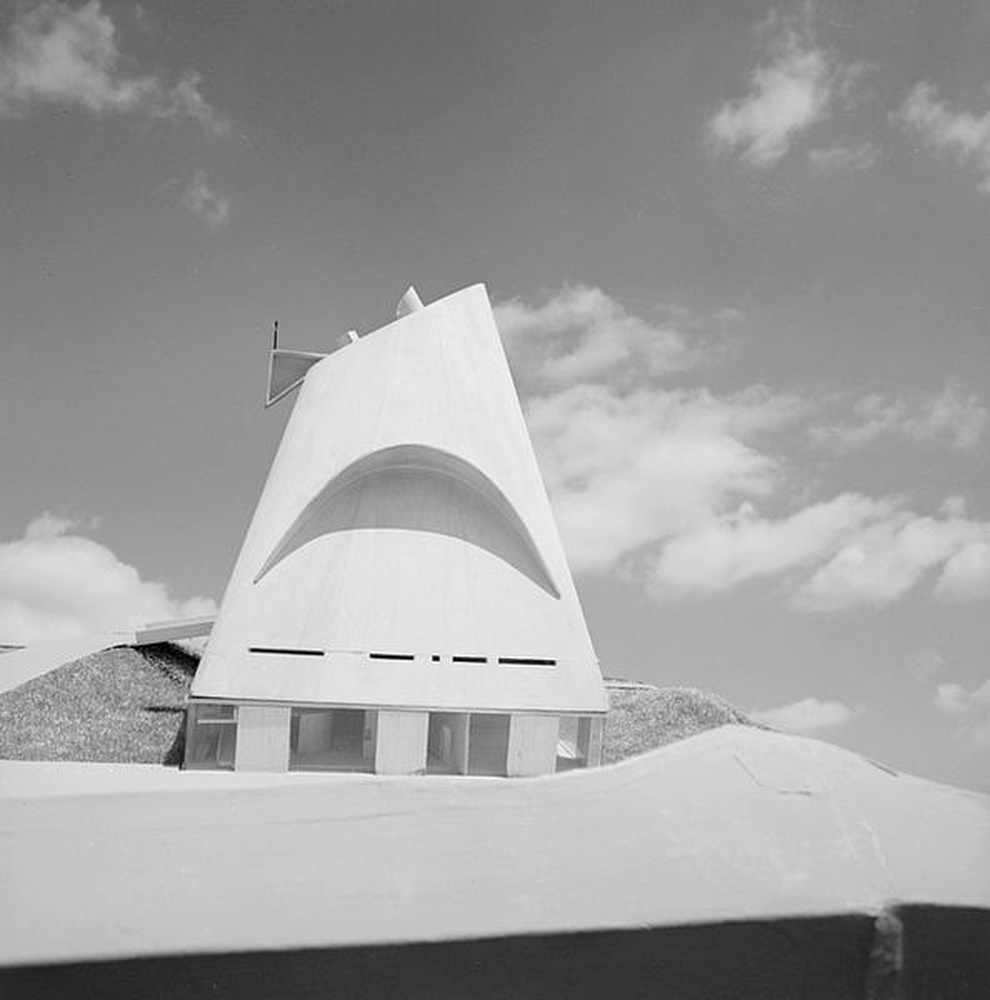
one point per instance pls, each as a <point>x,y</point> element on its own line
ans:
<point>418,488</point>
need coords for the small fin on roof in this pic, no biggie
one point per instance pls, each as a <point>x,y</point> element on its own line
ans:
<point>409,303</point>
<point>173,629</point>
<point>286,370</point>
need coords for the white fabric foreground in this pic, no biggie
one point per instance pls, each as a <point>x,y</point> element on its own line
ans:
<point>736,823</point>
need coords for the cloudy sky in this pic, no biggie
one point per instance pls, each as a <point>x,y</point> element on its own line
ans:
<point>739,255</point>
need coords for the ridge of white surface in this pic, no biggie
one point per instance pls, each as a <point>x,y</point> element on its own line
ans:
<point>735,823</point>
<point>26,664</point>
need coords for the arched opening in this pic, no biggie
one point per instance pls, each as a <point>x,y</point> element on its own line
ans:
<point>417,488</point>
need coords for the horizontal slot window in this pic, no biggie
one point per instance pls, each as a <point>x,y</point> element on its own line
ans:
<point>391,656</point>
<point>469,659</point>
<point>526,661</point>
<point>285,651</point>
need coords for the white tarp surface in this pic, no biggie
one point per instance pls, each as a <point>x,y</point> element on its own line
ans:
<point>736,823</point>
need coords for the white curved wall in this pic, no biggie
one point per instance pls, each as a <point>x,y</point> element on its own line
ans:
<point>436,378</point>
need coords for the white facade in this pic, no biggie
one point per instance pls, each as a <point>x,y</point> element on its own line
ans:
<point>403,556</point>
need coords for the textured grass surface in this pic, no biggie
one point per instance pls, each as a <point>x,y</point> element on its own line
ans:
<point>120,705</point>
<point>646,718</point>
<point>126,705</point>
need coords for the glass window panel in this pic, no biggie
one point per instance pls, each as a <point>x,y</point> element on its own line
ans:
<point>211,737</point>
<point>572,742</point>
<point>488,744</point>
<point>332,739</point>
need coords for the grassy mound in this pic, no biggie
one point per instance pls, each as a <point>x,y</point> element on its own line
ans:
<point>126,705</point>
<point>123,705</point>
<point>642,719</point>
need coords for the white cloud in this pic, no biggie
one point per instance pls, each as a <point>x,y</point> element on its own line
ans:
<point>744,546</point>
<point>55,583</point>
<point>626,462</point>
<point>185,100</point>
<point>789,92</point>
<point>959,134</point>
<point>670,484</point>
<point>47,525</point>
<point>581,334</point>
<point>211,206</point>
<point>925,663</point>
<point>858,551</point>
<point>844,159</point>
<point>979,735</point>
<point>806,716</point>
<point>966,576</point>
<point>57,55</point>
<point>886,560</point>
<point>970,708</point>
<point>629,470</point>
<point>956,700</point>
<point>949,415</point>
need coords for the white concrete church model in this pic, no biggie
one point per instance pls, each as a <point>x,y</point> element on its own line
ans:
<point>401,603</point>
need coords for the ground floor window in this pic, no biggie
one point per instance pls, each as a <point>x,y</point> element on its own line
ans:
<point>467,743</point>
<point>211,737</point>
<point>345,739</point>
<point>573,743</point>
<point>488,744</point>
<point>446,743</point>
<point>332,739</point>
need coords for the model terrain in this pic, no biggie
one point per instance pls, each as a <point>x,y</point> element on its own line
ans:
<point>127,705</point>
<point>397,769</point>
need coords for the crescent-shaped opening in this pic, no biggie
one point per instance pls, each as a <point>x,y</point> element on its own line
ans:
<point>418,488</point>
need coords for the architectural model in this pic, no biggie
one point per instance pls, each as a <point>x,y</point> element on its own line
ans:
<point>402,602</point>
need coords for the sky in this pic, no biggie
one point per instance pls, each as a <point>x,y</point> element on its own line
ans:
<point>738,255</point>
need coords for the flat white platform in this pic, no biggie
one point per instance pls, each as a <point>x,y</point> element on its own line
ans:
<point>21,779</point>
<point>736,823</point>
